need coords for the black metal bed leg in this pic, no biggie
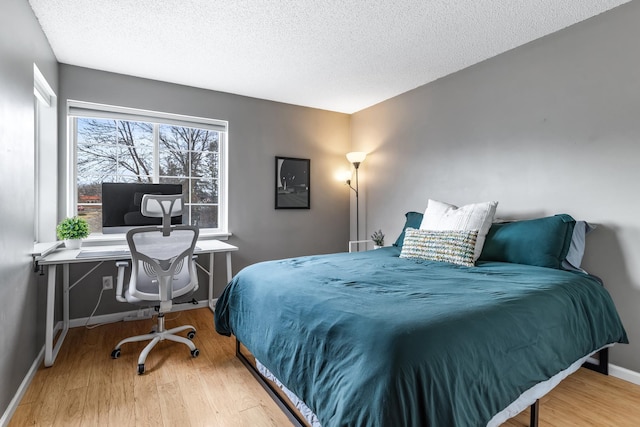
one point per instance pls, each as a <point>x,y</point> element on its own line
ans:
<point>603,362</point>
<point>535,411</point>
<point>271,391</point>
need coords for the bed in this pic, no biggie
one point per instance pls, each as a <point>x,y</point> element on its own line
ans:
<point>377,339</point>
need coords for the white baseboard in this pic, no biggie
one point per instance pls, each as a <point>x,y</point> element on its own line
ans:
<point>620,372</point>
<point>624,374</point>
<point>142,313</point>
<point>24,385</point>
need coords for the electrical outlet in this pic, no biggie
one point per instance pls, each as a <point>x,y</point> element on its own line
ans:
<point>107,282</point>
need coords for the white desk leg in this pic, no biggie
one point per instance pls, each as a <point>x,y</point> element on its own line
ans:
<point>51,352</point>
<point>65,305</point>
<point>51,296</point>
<point>211,270</point>
<point>229,272</point>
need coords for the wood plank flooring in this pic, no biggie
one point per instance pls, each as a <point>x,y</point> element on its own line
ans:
<point>85,387</point>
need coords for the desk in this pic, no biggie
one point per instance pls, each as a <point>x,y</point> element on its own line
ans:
<point>66,257</point>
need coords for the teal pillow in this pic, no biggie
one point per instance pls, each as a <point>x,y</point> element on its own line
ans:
<point>543,242</point>
<point>414,219</point>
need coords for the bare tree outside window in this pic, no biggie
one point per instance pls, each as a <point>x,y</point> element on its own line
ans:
<point>124,151</point>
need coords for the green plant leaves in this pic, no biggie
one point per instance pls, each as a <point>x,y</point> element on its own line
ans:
<point>72,228</point>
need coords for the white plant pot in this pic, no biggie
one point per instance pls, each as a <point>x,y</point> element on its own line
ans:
<point>72,243</point>
<point>376,246</point>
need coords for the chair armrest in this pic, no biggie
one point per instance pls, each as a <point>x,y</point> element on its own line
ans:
<point>122,265</point>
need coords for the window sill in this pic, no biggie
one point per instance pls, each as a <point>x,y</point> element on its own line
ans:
<point>99,239</point>
<point>41,249</point>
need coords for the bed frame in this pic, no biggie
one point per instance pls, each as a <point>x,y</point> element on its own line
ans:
<point>285,405</point>
<point>273,391</point>
<point>603,362</point>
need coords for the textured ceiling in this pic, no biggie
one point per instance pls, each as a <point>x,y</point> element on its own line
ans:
<point>339,55</point>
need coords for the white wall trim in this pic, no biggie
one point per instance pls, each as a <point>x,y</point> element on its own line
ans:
<point>620,372</point>
<point>624,374</point>
<point>13,405</point>
<point>141,313</point>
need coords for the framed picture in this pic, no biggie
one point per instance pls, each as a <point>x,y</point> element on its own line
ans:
<point>293,183</point>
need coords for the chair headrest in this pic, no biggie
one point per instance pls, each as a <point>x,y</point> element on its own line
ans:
<point>162,206</point>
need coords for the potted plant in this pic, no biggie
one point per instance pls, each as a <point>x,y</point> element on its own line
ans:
<point>378,239</point>
<point>72,231</point>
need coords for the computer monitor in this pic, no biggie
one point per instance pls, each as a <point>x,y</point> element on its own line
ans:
<point>121,205</point>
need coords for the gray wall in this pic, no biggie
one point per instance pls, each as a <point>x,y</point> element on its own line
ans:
<point>259,130</point>
<point>547,128</point>
<point>22,44</point>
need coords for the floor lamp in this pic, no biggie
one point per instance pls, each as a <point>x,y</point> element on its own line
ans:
<point>355,158</point>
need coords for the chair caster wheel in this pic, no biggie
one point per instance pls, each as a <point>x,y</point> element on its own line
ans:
<point>141,369</point>
<point>191,334</point>
<point>115,353</point>
<point>195,352</point>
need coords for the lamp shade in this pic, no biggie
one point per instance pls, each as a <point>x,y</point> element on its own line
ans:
<point>356,156</point>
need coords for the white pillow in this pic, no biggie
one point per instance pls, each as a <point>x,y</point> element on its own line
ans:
<point>478,216</point>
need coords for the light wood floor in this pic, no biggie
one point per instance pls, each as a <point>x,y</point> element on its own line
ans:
<point>85,387</point>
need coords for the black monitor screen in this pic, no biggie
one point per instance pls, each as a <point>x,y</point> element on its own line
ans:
<point>121,205</point>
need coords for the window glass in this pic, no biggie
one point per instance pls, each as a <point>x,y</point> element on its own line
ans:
<point>115,150</point>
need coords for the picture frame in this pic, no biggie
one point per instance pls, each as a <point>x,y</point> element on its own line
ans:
<point>292,183</point>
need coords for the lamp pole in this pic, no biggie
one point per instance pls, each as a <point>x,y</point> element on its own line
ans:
<point>356,165</point>
<point>356,158</point>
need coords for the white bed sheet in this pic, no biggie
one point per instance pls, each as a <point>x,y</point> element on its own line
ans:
<point>298,403</point>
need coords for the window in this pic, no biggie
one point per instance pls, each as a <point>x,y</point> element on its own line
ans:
<point>116,144</point>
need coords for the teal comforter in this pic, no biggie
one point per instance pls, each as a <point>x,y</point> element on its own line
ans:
<point>370,339</point>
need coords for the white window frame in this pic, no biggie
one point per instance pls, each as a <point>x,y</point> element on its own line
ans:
<point>45,147</point>
<point>93,110</point>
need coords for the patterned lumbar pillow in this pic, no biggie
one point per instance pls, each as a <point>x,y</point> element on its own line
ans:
<point>453,246</point>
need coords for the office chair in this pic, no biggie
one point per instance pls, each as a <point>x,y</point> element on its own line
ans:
<point>163,271</point>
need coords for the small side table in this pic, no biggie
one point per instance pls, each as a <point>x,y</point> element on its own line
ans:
<point>357,244</point>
